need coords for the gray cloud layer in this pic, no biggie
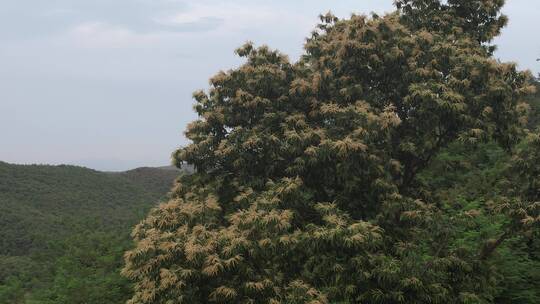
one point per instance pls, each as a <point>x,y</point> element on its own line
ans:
<point>23,19</point>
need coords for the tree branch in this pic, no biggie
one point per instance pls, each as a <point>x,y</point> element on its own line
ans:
<point>491,246</point>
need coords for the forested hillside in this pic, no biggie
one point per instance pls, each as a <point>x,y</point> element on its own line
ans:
<point>63,230</point>
<point>396,161</point>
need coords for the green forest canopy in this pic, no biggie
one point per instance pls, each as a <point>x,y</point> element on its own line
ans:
<point>63,231</point>
<point>393,163</point>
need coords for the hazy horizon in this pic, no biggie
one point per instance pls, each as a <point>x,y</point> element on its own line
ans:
<point>107,84</point>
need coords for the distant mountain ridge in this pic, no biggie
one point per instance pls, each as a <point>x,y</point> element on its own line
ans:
<point>46,209</point>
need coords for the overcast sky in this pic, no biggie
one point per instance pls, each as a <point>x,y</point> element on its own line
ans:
<point>107,83</point>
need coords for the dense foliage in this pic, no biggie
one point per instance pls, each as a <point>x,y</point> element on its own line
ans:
<point>347,177</point>
<point>63,231</point>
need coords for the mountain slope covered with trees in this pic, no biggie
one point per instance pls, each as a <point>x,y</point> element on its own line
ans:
<point>63,230</point>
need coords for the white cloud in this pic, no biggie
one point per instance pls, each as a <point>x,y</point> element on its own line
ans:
<point>58,12</point>
<point>103,35</point>
<point>193,23</point>
<point>234,17</point>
